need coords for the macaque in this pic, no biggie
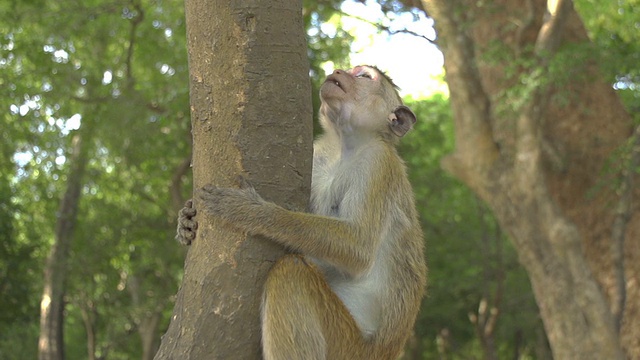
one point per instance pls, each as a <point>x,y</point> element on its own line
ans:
<point>351,289</point>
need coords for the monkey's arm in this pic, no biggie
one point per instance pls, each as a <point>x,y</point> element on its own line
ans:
<point>346,243</point>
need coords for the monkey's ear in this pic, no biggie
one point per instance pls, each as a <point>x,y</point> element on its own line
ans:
<point>401,120</point>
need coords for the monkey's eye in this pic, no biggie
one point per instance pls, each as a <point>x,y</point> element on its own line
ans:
<point>364,75</point>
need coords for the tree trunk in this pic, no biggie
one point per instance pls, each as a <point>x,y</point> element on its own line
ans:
<point>536,163</point>
<point>88,312</point>
<point>148,330</point>
<point>50,343</point>
<point>251,115</point>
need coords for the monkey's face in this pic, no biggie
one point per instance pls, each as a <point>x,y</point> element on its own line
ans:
<point>358,99</point>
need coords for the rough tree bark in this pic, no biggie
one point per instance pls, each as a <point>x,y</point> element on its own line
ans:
<point>537,165</point>
<point>51,341</point>
<point>251,115</point>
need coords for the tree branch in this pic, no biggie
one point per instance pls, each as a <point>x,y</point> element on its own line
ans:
<point>550,33</point>
<point>135,22</point>
<point>386,29</point>
<point>524,25</point>
<point>529,136</point>
<point>475,150</point>
<point>623,215</point>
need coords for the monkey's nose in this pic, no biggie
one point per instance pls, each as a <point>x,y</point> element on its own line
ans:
<point>338,72</point>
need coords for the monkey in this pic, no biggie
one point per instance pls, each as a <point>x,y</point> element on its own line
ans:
<point>352,285</point>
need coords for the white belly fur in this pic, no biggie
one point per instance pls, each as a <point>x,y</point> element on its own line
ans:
<point>360,296</point>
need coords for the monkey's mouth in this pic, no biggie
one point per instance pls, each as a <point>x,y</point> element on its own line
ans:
<point>332,79</point>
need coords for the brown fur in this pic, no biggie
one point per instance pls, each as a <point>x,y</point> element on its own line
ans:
<point>355,289</point>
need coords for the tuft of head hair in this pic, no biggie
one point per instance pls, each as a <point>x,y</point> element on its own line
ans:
<point>390,80</point>
<point>384,75</point>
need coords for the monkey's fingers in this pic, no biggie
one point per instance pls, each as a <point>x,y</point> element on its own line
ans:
<point>187,224</point>
<point>187,212</point>
<point>185,237</point>
<point>189,235</point>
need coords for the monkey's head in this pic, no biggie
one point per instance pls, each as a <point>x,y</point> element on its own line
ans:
<point>364,100</point>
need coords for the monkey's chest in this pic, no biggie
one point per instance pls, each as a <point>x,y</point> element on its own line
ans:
<point>335,190</point>
<point>327,195</point>
<point>326,204</point>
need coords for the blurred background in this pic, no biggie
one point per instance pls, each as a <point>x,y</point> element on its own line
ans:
<point>95,141</point>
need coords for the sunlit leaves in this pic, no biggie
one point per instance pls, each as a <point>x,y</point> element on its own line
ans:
<point>615,28</point>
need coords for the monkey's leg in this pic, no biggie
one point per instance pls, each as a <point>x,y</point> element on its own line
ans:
<point>302,318</point>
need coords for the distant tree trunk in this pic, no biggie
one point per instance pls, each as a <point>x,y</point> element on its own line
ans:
<point>146,316</point>
<point>531,141</point>
<point>51,344</point>
<point>251,115</point>
<point>148,330</point>
<point>485,319</point>
<point>88,312</point>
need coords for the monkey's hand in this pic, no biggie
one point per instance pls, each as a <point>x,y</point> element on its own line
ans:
<point>239,207</point>
<point>186,225</point>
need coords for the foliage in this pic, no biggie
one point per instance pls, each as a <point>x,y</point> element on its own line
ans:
<point>615,31</point>
<point>125,79</point>
<point>467,255</point>
<point>119,67</point>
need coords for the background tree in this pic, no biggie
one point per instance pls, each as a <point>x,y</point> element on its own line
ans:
<point>471,262</point>
<point>51,342</point>
<point>249,83</point>
<point>532,144</point>
<point>63,73</point>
